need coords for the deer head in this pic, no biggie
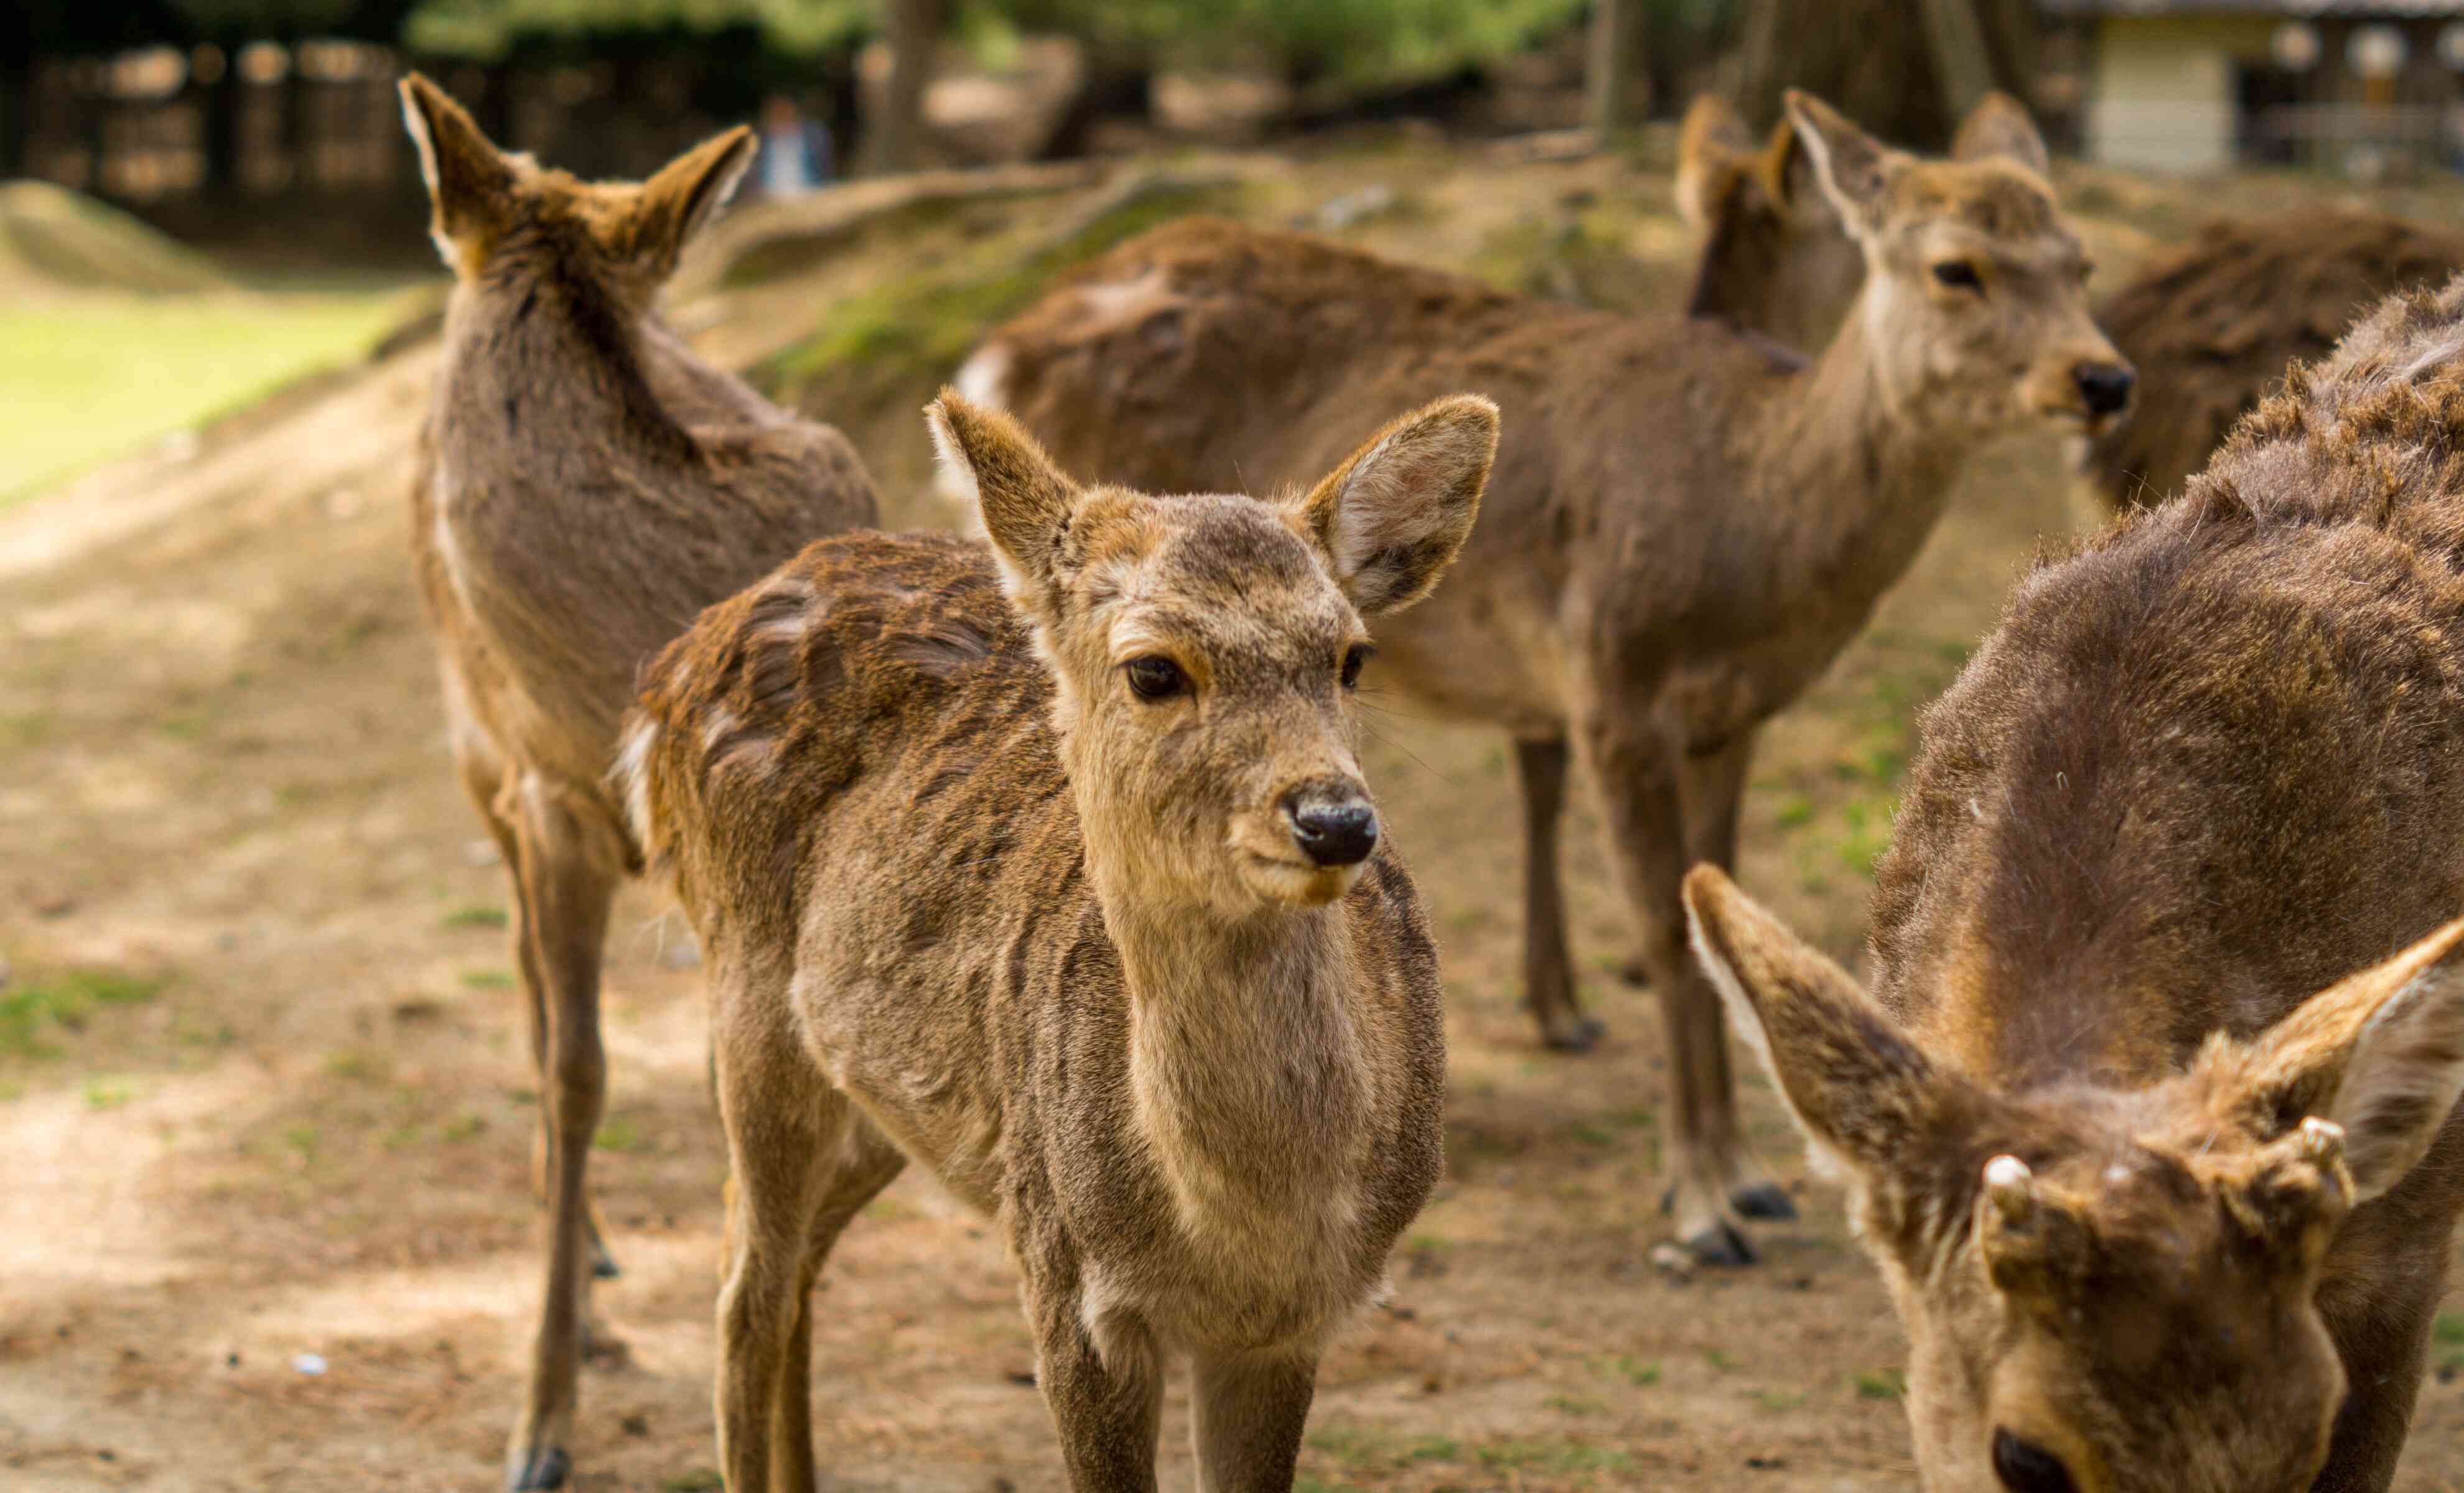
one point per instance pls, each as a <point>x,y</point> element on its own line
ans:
<point>2106,1290</point>
<point>490,203</point>
<point>1207,647</point>
<point>1975,302</point>
<point>1774,257</point>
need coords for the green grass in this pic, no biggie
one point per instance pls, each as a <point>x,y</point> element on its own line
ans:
<point>487,979</point>
<point>1546,1455</point>
<point>1882,1384</point>
<point>33,1012</point>
<point>91,378</point>
<point>916,328</point>
<point>1378,1449</point>
<point>475,916</point>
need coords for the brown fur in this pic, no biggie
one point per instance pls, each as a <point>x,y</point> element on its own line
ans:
<point>971,901</point>
<point>585,486</point>
<point>2204,769</point>
<point>2217,322</point>
<point>1683,527</point>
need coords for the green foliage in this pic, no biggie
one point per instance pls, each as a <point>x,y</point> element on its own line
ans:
<point>489,29</point>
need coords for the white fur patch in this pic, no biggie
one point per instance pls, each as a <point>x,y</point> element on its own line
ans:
<point>632,775</point>
<point>984,378</point>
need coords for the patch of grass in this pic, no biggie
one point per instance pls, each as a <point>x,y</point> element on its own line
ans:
<point>87,377</point>
<point>1570,1405</point>
<point>24,730</point>
<point>351,1064</point>
<point>302,1140</point>
<point>701,1480</point>
<point>1627,1367</point>
<point>620,1133</point>
<point>462,1127</point>
<point>100,1095</point>
<point>916,328</point>
<point>1719,1360</point>
<point>2448,1330</point>
<point>1881,1384</point>
<point>1378,1449</point>
<point>477,916</point>
<point>1583,1133</point>
<point>1551,1454</point>
<point>183,728</point>
<point>1778,1400</point>
<point>487,979</point>
<point>1794,810</point>
<point>31,1012</point>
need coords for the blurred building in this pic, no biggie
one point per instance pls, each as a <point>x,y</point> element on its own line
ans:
<point>2360,86</point>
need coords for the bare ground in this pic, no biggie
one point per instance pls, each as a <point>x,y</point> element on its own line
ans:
<point>263,1092</point>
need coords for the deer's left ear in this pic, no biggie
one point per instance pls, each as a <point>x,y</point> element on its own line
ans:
<point>1390,519</point>
<point>1999,127</point>
<point>2380,1053</point>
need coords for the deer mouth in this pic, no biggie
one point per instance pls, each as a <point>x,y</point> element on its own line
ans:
<point>1291,879</point>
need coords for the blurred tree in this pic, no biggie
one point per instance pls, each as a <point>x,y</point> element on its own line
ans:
<point>1618,75</point>
<point>914,32</point>
<point>1907,72</point>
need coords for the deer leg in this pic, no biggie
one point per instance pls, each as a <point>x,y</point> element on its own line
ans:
<point>1106,1402</point>
<point>786,1144</point>
<point>1710,787</point>
<point>2384,1367</point>
<point>1247,1410</point>
<point>1637,779</point>
<point>567,887</point>
<point>871,1164</point>
<point>1547,970</point>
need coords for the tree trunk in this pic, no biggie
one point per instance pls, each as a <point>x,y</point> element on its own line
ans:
<point>1619,81</point>
<point>1960,64</point>
<point>915,30</point>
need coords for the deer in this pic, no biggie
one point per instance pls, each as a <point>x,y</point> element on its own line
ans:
<point>1774,257</point>
<point>1687,523</point>
<point>585,485</point>
<point>2147,1111</point>
<point>1048,866</point>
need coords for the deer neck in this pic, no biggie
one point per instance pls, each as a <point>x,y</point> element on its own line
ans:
<point>1249,1088</point>
<point>1852,474</point>
<point>538,354</point>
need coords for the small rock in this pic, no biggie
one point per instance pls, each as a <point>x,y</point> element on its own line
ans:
<point>480,852</point>
<point>1671,1258</point>
<point>308,1363</point>
<point>1024,1378</point>
<point>680,953</point>
<point>1352,208</point>
<point>636,1424</point>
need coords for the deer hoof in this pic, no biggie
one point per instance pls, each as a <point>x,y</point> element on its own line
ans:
<point>1720,1245</point>
<point>1762,1201</point>
<point>546,1468</point>
<point>1581,1035</point>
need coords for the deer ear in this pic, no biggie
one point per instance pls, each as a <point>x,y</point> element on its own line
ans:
<point>2380,1053</point>
<point>1025,498</point>
<point>1853,167</point>
<point>1390,519</point>
<point>1999,127</point>
<point>1712,147</point>
<point>686,194</point>
<point>1861,1089</point>
<point>469,180</point>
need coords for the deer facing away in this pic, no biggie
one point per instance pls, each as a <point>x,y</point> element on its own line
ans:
<point>585,487</point>
<point>1685,524</point>
<point>1082,903</point>
<point>2164,1189</point>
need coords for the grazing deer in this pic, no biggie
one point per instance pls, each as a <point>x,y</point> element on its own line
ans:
<point>585,486</point>
<point>2163,1188</point>
<point>1687,523</point>
<point>1078,899</point>
<point>1775,258</point>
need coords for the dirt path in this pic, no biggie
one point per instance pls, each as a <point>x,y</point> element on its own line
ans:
<point>263,1090</point>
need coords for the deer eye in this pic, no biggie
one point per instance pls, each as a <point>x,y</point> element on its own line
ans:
<point>1354,657</point>
<point>2025,1468</point>
<point>1958,275</point>
<point>1154,678</point>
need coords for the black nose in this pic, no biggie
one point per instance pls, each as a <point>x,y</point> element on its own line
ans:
<point>1337,833</point>
<point>2105,386</point>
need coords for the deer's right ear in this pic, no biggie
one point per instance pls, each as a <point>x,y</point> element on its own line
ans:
<point>1852,166</point>
<point>468,179</point>
<point>1026,499</point>
<point>1391,520</point>
<point>1862,1092</point>
<point>1712,148</point>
